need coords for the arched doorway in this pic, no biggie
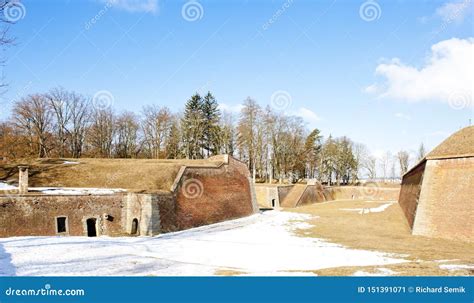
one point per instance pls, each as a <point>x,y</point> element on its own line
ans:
<point>134,227</point>
<point>91,227</point>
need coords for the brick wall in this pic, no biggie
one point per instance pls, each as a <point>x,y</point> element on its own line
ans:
<point>446,204</point>
<point>312,194</point>
<point>410,192</point>
<point>267,192</point>
<point>366,192</point>
<point>209,195</point>
<point>35,215</point>
<point>265,195</point>
<point>166,211</point>
<point>283,191</point>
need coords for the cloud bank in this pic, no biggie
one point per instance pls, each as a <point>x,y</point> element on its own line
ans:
<point>455,10</point>
<point>447,74</point>
<point>134,6</point>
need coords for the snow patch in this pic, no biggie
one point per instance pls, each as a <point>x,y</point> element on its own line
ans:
<point>379,272</point>
<point>76,191</point>
<point>367,210</point>
<point>259,245</point>
<point>70,162</point>
<point>5,186</point>
<point>453,267</point>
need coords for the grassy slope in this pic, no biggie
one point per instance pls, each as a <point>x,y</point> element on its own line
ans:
<point>132,174</point>
<point>385,231</point>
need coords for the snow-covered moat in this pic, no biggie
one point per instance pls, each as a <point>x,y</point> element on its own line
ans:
<point>262,244</point>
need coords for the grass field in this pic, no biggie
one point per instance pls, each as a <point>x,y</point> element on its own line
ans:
<point>386,231</point>
<point>148,175</point>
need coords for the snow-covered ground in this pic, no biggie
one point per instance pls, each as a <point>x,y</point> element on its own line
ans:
<point>453,267</point>
<point>262,244</point>
<point>75,191</point>
<point>367,210</point>
<point>65,190</point>
<point>379,272</point>
<point>5,186</point>
<point>70,162</point>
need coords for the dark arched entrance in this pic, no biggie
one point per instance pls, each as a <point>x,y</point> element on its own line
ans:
<point>91,227</point>
<point>134,227</point>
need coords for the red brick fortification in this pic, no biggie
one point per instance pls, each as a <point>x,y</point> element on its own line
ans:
<point>446,204</point>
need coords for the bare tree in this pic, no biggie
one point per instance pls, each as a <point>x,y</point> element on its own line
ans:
<point>34,117</point>
<point>12,142</point>
<point>403,160</point>
<point>80,115</point>
<point>58,99</point>
<point>247,129</point>
<point>5,39</point>
<point>101,132</point>
<point>156,126</point>
<point>361,154</point>
<point>126,130</point>
<point>385,164</point>
<point>370,165</point>
<point>228,133</point>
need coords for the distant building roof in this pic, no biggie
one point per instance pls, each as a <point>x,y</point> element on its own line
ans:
<point>458,145</point>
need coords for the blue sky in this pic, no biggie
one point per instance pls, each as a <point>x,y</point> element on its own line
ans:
<point>373,77</point>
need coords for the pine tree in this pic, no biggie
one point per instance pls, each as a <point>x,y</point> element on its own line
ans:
<point>173,148</point>
<point>211,129</point>
<point>313,148</point>
<point>193,127</point>
<point>421,152</point>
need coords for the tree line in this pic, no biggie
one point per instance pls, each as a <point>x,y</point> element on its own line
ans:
<point>275,146</point>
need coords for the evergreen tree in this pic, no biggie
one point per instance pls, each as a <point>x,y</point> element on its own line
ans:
<point>421,152</point>
<point>173,148</point>
<point>211,129</point>
<point>313,148</point>
<point>193,127</point>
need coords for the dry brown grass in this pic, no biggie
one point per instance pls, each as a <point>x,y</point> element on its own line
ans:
<point>386,231</point>
<point>229,272</point>
<point>132,174</point>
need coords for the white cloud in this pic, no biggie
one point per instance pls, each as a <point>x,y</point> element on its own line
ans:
<point>371,89</point>
<point>308,115</point>
<point>447,76</point>
<point>455,10</point>
<point>235,109</point>
<point>403,116</point>
<point>379,153</point>
<point>133,6</point>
